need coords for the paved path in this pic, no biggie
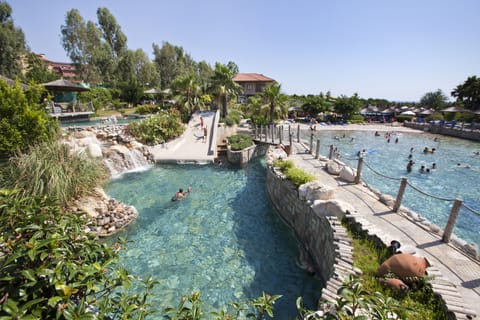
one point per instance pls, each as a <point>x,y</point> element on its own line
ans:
<point>453,268</point>
<point>190,147</point>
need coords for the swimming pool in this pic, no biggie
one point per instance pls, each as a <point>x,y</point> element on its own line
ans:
<point>225,239</point>
<point>457,174</point>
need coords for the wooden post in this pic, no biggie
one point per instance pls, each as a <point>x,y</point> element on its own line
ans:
<point>311,143</point>
<point>255,133</point>
<point>280,133</point>
<point>401,192</point>
<point>317,150</point>
<point>447,233</point>
<point>330,155</point>
<point>289,130</point>
<point>266,133</point>
<point>273,133</point>
<point>298,133</point>
<point>359,170</point>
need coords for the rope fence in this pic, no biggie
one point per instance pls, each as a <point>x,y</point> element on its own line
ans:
<point>380,174</point>
<point>457,203</point>
<point>269,131</point>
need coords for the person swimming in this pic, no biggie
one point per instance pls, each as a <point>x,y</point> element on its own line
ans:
<point>181,194</point>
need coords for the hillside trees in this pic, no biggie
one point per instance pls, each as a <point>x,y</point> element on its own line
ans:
<point>95,51</point>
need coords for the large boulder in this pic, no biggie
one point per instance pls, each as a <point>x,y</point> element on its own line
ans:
<point>315,190</point>
<point>94,150</point>
<point>334,167</point>
<point>331,207</point>
<point>348,174</point>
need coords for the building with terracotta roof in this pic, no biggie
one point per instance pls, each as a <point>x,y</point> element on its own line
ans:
<point>252,83</point>
<point>62,69</point>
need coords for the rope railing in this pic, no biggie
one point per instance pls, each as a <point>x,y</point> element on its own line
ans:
<point>457,203</point>
<point>471,209</point>
<point>381,174</point>
<point>428,194</point>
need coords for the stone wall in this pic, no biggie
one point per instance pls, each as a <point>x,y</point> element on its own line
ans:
<point>458,133</point>
<point>314,232</point>
<point>242,157</point>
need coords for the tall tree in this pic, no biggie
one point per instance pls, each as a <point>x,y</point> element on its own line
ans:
<point>12,43</point>
<point>347,106</point>
<point>276,100</point>
<point>314,104</point>
<point>436,100</point>
<point>468,93</point>
<point>114,38</point>
<point>74,40</point>
<point>172,62</point>
<point>223,86</point>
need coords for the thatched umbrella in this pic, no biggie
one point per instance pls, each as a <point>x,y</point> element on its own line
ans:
<point>64,85</point>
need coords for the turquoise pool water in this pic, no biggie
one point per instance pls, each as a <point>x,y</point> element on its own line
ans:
<point>457,173</point>
<point>225,239</point>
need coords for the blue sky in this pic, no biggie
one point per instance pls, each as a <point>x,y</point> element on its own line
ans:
<point>397,50</point>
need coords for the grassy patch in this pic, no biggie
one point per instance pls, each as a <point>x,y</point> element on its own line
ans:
<point>418,303</point>
<point>294,174</point>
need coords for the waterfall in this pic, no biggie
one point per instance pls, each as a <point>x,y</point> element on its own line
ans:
<point>119,158</point>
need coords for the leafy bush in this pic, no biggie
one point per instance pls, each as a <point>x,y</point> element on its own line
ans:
<point>283,165</point>
<point>294,174</point>
<point>156,129</point>
<point>356,118</point>
<point>100,97</point>
<point>51,269</point>
<point>240,141</point>
<point>298,176</point>
<point>189,308</point>
<point>229,121</point>
<point>147,109</point>
<point>22,121</point>
<point>50,169</point>
<point>235,115</point>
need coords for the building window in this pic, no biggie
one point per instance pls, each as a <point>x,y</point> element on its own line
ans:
<point>249,86</point>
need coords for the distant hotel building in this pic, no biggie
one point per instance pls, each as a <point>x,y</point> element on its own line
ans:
<point>252,83</point>
<point>62,69</point>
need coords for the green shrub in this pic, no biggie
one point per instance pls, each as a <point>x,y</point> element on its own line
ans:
<point>298,176</point>
<point>147,109</point>
<point>229,121</point>
<point>356,118</point>
<point>240,141</point>
<point>235,115</point>
<point>100,97</point>
<point>51,269</point>
<point>283,165</point>
<point>22,122</point>
<point>294,174</point>
<point>156,129</point>
<point>50,169</point>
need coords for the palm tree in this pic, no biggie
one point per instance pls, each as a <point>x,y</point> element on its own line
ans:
<point>187,89</point>
<point>223,85</point>
<point>276,100</point>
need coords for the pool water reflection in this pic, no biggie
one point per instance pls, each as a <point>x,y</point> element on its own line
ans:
<point>225,239</point>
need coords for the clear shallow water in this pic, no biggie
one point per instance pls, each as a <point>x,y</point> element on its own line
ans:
<point>225,239</point>
<point>449,180</point>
